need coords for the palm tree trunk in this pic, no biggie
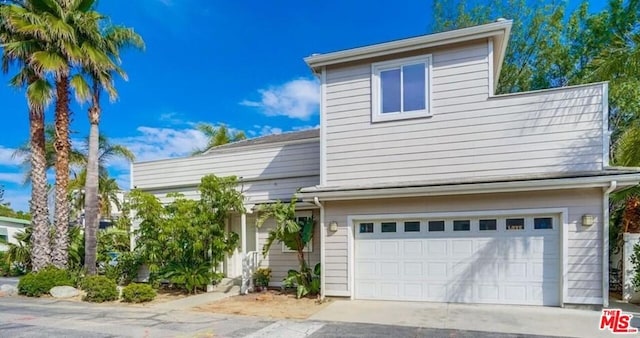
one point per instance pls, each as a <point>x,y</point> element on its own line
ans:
<point>60,254</point>
<point>91,202</point>
<point>41,250</point>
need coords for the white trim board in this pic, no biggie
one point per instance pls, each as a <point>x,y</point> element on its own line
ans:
<point>564,237</point>
<point>492,82</point>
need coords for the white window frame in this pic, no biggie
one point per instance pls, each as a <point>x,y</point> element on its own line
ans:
<point>376,68</point>
<point>309,246</point>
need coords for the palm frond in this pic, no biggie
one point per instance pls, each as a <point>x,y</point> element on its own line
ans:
<point>39,93</point>
<point>81,88</point>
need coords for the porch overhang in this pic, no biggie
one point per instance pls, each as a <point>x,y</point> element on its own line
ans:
<point>624,178</point>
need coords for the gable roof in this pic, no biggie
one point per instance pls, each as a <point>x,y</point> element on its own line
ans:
<point>498,30</point>
<point>269,139</point>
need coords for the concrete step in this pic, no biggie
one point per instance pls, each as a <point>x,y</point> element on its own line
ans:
<point>227,285</point>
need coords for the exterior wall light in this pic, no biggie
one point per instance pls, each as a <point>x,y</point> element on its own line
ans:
<point>333,226</point>
<point>588,220</point>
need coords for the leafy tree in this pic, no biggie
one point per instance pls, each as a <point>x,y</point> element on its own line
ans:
<point>185,239</point>
<point>218,135</point>
<point>551,48</point>
<point>295,234</point>
<point>7,211</point>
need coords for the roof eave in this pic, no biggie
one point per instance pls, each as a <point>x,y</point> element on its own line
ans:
<point>500,28</point>
<point>623,181</point>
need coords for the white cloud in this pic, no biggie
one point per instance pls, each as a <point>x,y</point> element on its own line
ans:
<point>6,157</point>
<point>297,99</point>
<point>154,143</point>
<point>173,119</point>
<point>301,128</point>
<point>259,130</point>
<point>16,178</point>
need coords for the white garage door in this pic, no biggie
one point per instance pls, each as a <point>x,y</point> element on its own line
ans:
<point>499,260</point>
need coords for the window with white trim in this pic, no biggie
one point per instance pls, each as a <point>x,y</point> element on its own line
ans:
<point>301,216</point>
<point>401,89</point>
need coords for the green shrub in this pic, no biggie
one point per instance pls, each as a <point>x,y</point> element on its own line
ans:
<point>5,266</point>
<point>99,289</point>
<point>138,293</point>
<point>35,284</point>
<point>262,277</point>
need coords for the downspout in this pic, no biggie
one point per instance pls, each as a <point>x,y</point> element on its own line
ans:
<point>605,243</point>
<point>323,231</point>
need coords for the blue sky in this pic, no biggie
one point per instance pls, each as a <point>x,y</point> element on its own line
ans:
<point>233,62</point>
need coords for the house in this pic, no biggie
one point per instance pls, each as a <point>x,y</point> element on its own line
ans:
<point>427,185</point>
<point>9,227</point>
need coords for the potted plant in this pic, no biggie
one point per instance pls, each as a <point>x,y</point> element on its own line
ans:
<point>262,277</point>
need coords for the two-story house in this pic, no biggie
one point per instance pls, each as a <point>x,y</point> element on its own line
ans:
<point>428,186</point>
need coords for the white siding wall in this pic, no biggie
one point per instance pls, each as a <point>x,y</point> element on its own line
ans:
<point>585,243</point>
<point>254,192</point>
<point>281,262</point>
<point>469,134</point>
<point>265,162</point>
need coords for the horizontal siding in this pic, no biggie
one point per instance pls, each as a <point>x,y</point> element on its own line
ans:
<point>584,252</point>
<point>468,134</point>
<point>277,161</point>
<point>281,262</point>
<point>254,192</point>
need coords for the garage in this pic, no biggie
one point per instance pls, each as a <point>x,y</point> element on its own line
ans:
<point>506,259</point>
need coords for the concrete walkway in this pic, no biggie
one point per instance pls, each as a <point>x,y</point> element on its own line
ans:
<point>544,321</point>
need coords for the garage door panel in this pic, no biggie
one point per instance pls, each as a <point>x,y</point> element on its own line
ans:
<point>367,270</point>
<point>389,248</point>
<point>389,290</point>
<point>486,270</point>
<point>413,270</point>
<point>389,269</point>
<point>437,271</point>
<point>488,292</point>
<point>461,292</point>
<point>514,271</point>
<point>437,247</point>
<point>462,248</point>
<point>488,246</point>
<point>498,266</point>
<point>436,292</point>
<point>413,248</point>
<point>367,248</point>
<point>413,291</point>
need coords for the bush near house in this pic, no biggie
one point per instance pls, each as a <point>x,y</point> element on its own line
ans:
<point>99,289</point>
<point>36,284</point>
<point>138,293</point>
<point>5,266</point>
<point>184,240</point>
<point>295,233</point>
<point>262,277</point>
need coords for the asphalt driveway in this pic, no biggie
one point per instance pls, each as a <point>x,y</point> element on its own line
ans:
<point>534,320</point>
<point>20,317</point>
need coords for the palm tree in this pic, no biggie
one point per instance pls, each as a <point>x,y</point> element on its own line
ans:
<point>218,135</point>
<point>20,48</point>
<point>109,42</point>
<point>76,156</point>
<point>50,32</point>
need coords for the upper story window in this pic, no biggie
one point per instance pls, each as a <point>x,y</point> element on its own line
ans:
<point>401,89</point>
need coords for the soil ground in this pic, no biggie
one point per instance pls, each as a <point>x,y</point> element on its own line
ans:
<point>271,303</point>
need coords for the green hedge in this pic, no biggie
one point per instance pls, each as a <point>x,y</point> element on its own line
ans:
<point>35,284</point>
<point>138,293</point>
<point>99,289</point>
